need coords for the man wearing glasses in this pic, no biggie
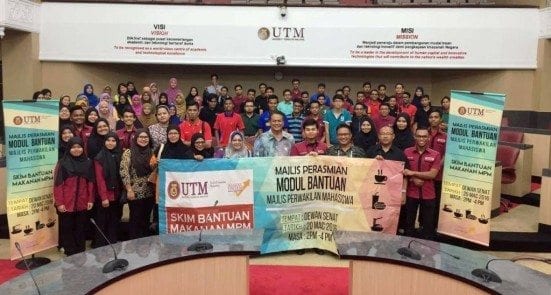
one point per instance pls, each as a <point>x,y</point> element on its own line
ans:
<point>345,147</point>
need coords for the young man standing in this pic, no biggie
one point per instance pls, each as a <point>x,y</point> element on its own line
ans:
<point>311,146</point>
<point>346,94</point>
<point>214,87</point>
<point>274,142</point>
<point>286,105</point>
<point>239,98</point>
<point>321,91</point>
<point>421,117</point>
<point>345,146</point>
<point>226,123</point>
<point>261,101</point>
<point>127,133</point>
<point>295,120</point>
<point>305,97</point>
<point>194,125</point>
<point>295,91</point>
<point>334,117</point>
<point>382,92</point>
<point>79,128</point>
<point>318,117</point>
<point>208,114</point>
<point>383,118</point>
<point>359,113</point>
<point>373,103</point>
<point>399,89</point>
<point>366,87</point>
<point>424,164</point>
<point>408,107</point>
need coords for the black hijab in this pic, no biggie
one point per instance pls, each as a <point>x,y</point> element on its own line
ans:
<point>65,122</point>
<point>140,156</point>
<point>403,138</point>
<point>365,140</point>
<point>110,162</point>
<point>177,150</point>
<point>70,166</point>
<point>206,152</point>
<point>95,141</point>
<point>63,146</point>
<point>122,106</point>
<point>87,114</point>
<point>131,92</point>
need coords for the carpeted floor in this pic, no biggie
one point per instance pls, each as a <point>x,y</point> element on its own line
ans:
<point>8,270</point>
<point>290,280</point>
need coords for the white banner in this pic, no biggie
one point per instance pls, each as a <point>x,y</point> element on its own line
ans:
<point>496,38</point>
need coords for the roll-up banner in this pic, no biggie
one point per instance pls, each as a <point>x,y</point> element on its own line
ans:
<point>31,130</point>
<point>475,38</point>
<point>473,133</point>
<point>298,201</point>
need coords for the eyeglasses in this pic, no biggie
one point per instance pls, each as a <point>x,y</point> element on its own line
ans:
<point>143,137</point>
<point>199,141</point>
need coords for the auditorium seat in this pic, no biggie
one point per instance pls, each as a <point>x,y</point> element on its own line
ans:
<point>505,122</point>
<point>511,136</point>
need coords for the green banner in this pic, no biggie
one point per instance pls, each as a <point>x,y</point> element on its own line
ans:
<point>31,130</point>
<point>473,132</point>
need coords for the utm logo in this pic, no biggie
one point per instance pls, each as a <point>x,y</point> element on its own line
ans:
<point>173,190</point>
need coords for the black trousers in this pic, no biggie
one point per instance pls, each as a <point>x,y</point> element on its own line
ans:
<point>73,235</point>
<point>140,216</point>
<point>426,210</point>
<point>438,191</point>
<point>108,220</point>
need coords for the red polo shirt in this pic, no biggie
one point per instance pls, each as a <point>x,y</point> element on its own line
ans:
<point>424,162</point>
<point>296,93</point>
<point>237,101</point>
<point>438,140</point>
<point>373,106</point>
<point>187,129</point>
<point>304,148</point>
<point>126,137</point>
<point>410,110</point>
<point>381,122</point>
<point>321,127</point>
<point>226,124</point>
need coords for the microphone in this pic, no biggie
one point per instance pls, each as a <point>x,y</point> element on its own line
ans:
<point>489,275</point>
<point>115,264</point>
<point>27,266</point>
<point>201,246</point>
<point>413,254</point>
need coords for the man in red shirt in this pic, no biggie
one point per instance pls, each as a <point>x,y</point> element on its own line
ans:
<point>424,164</point>
<point>383,118</point>
<point>127,133</point>
<point>239,98</point>
<point>79,128</point>
<point>194,125</point>
<point>226,123</point>
<point>407,107</point>
<point>295,91</point>
<point>373,103</point>
<point>310,145</point>
<point>315,113</point>
<point>399,89</point>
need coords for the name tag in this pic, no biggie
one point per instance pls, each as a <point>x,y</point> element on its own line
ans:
<point>441,140</point>
<point>429,159</point>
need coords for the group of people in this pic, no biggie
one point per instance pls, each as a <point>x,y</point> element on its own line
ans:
<point>110,145</point>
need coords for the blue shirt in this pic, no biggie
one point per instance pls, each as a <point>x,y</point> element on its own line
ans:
<point>285,107</point>
<point>295,126</point>
<point>264,122</point>
<point>335,121</point>
<point>266,145</point>
<point>314,97</point>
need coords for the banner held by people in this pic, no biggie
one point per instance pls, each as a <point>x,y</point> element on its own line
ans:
<point>298,201</point>
<point>31,130</point>
<point>469,166</point>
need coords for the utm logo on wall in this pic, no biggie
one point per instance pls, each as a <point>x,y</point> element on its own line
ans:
<point>281,33</point>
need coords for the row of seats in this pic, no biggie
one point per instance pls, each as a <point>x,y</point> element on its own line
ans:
<point>316,2</point>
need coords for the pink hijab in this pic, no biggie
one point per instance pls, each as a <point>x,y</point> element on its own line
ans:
<point>172,91</point>
<point>136,104</point>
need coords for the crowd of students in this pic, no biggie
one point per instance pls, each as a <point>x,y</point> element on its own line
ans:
<point>110,144</point>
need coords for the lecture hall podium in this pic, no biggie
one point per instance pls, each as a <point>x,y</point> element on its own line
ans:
<point>377,268</point>
<point>157,265</point>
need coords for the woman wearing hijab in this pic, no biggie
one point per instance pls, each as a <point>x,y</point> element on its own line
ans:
<point>89,92</point>
<point>172,90</point>
<point>136,104</point>
<point>190,98</point>
<point>146,98</point>
<point>73,195</point>
<point>65,100</point>
<point>158,130</point>
<point>65,134</point>
<point>180,104</point>
<point>121,104</point>
<point>147,117</point>
<point>366,136</point>
<point>416,99</point>
<point>121,90</point>
<point>198,151</point>
<point>174,118</point>
<point>163,99</point>
<point>236,148</point>
<point>109,187</point>
<point>90,117</point>
<point>97,138</point>
<point>403,136</point>
<point>135,171</point>
<point>108,112</point>
<point>154,90</point>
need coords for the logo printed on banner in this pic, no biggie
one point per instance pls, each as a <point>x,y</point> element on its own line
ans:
<point>281,33</point>
<point>239,188</point>
<point>173,190</point>
<point>476,112</point>
<point>27,120</point>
